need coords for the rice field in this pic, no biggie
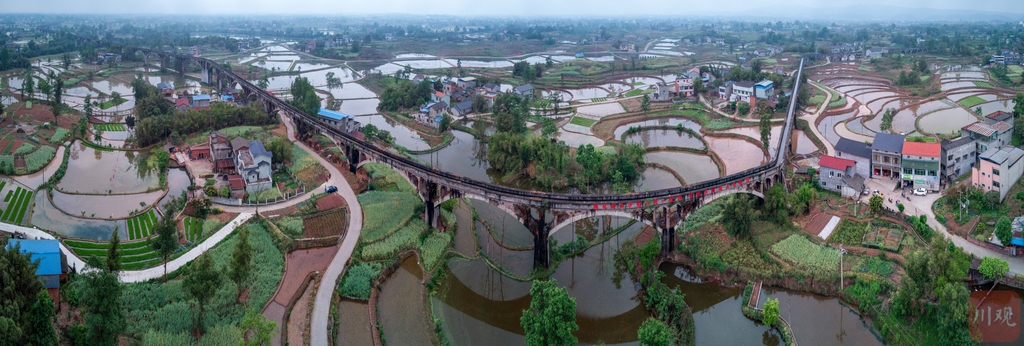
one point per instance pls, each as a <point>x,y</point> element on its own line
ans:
<point>193,228</point>
<point>17,203</point>
<point>982,84</point>
<point>134,255</point>
<point>972,101</point>
<point>109,127</point>
<point>142,226</point>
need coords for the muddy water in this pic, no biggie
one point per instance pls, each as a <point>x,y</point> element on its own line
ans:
<point>665,138</point>
<point>354,324</point>
<point>45,216</point>
<point>694,168</point>
<point>820,320</point>
<point>755,134</point>
<point>687,123</point>
<point>946,121</point>
<point>402,315</point>
<point>404,136</point>
<point>717,314</point>
<point>587,93</point>
<point>1001,105</point>
<point>465,156</point>
<point>804,144</point>
<point>506,227</point>
<point>827,125</point>
<point>465,241</point>
<point>177,181</point>
<point>96,171</point>
<point>108,207</point>
<point>738,155</point>
<point>904,121</point>
<point>656,179</point>
<point>359,107</point>
<point>351,91</point>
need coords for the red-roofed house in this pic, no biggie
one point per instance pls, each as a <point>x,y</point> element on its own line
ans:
<point>921,165</point>
<point>181,104</point>
<point>438,97</point>
<point>836,174</point>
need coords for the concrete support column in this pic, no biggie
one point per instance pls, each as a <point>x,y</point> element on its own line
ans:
<point>353,160</point>
<point>429,197</point>
<point>539,228</point>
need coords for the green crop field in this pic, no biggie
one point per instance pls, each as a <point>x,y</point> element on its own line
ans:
<point>16,206</point>
<point>972,101</point>
<point>983,84</point>
<point>193,228</point>
<point>142,226</point>
<point>582,121</point>
<point>109,127</point>
<point>134,255</point>
<point>599,99</point>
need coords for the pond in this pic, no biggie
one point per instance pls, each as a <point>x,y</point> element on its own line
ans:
<point>804,144</point>
<point>177,181</point>
<point>820,320</point>
<point>101,172</point>
<point>737,154</point>
<point>827,125</point>
<point>687,123</point>
<point>693,168</point>
<point>424,64</point>
<point>586,94</point>
<point>1001,105</point>
<point>665,138</point>
<point>413,55</point>
<point>601,110</point>
<point>353,323</point>
<point>946,121</point>
<point>359,107</point>
<point>351,91</point>
<point>404,136</point>
<point>954,85</point>
<point>755,134</point>
<point>480,64</point>
<point>104,206</point>
<point>401,322</point>
<point>904,121</point>
<point>110,86</point>
<point>465,156</point>
<point>45,216</point>
<point>388,69</point>
<point>654,179</point>
<point>274,65</point>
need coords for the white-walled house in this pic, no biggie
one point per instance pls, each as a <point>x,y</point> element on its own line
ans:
<point>254,165</point>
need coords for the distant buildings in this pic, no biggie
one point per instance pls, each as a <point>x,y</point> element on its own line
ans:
<point>743,91</point>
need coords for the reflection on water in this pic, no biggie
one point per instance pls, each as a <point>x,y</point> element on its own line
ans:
<point>665,138</point>
<point>104,206</point>
<point>404,136</point>
<point>687,123</point>
<point>45,216</point>
<point>96,171</point>
<point>820,320</point>
<point>403,322</point>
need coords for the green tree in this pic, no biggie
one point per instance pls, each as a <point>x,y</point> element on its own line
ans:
<point>202,279</point>
<point>446,121</point>
<point>645,104</point>
<point>509,113</point>
<point>241,259</point>
<point>263,82</point>
<point>805,197</point>
<point>776,204</point>
<point>1018,117</point>
<point>993,268</point>
<point>1004,230</point>
<point>280,149</point>
<point>738,216</point>
<point>46,88</point>
<point>771,312</point>
<point>304,96</point>
<point>654,333</point>
<point>875,203</point>
<point>548,127</point>
<point>257,329</point>
<point>18,290</point>
<point>41,315</point>
<point>104,317</point>
<point>28,86</point>
<point>551,318</point>
<point>954,314</point>
<point>166,241</point>
<point>58,97</point>
<point>113,259</point>
<point>766,129</point>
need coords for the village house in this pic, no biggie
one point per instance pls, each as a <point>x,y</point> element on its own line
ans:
<point>998,169</point>
<point>988,136</point>
<point>467,82</point>
<point>838,175</point>
<point>921,165</point>
<point>523,90</point>
<point>53,265</point>
<point>462,109</point>
<point>440,97</point>
<point>220,150</point>
<point>181,104</point>
<point>958,157</point>
<point>166,89</point>
<point>764,90</point>
<point>339,120</point>
<point>858,152</point>
<point>886,155</point>
<point>664,92</point>
<point>200,101</point>
<point>253,163</point>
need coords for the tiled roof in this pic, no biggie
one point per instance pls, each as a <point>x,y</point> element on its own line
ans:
<point>854,148</point>
<point>999,115</point>
<point>922,149</point>
<point>888,142</point>
<point>986,129</point>
<point>835,162</point>
<point>963,140</point>
<point>256,149</point>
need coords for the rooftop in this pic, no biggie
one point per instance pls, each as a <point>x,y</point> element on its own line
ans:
<point>888,142</point>
<point>922,149</point>
<point>999,115</point>
<point>257,149</point>
<point>47,252</point>
<point>200,97</point>
<point>327,113</point>
<point>835,162</point>
<point>963,140</point>
<point>999,156</point>
<point>986,129</point>
<point>854,148</point>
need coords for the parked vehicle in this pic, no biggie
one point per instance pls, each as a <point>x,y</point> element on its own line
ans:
<point>920,192</point>
<point>331,189</point>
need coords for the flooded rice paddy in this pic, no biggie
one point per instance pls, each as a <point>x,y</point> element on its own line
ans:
<point>103,172</point>
<point>693,168</point>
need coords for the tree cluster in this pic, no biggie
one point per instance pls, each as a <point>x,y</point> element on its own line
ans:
<point>157,128</point>
<point>405,94</point>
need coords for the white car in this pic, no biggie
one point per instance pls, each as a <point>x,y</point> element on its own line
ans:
<point>920,192</point>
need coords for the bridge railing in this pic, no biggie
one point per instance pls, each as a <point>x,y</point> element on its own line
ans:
<point>548,199</point>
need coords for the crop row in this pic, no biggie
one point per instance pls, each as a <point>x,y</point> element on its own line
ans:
<point>802,252</point>
<point>386,212</point>
<point>109,127</point>
<point>405,238</point>
<point>142,226</point>
<point>17,205</point>
<point>193,228</point>
<point>326,225</point>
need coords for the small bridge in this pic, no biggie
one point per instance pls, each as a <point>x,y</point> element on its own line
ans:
<point>663,209</point>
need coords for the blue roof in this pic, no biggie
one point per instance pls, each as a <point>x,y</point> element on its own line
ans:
<point>256,149</point>
<point>1017,241</point>
<point>333,115</point>
<point>226,97</point>
<point>47,252</point>
<point>200,97</point>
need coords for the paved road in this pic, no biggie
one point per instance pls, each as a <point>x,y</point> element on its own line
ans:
<point>811,118</point>
<point>923,205</point>
<point>209,243</point>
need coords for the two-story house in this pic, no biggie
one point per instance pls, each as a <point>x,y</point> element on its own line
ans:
<point>220,150</point>
<point>921,165</point>
<point>764,89</point>
<point>859,152</point>
<point>253,163</point>
<point>836,174</point>
<point>988,136</point>
<point>958,157</point>
<point>998,170</point>
<point>886,155</point>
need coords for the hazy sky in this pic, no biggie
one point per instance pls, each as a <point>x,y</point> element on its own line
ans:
<point>468,7</point>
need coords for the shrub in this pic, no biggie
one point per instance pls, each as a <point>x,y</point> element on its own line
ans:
<point>210,226</point>
<point>290,226</point>
<point>386,212</point>
<point>358,280</point>
<point>876,265</point>
<point>849,232</point>
<point>803,252</point>
<point>39,158</point>
<point>434,247</point>
<point>59,135</point>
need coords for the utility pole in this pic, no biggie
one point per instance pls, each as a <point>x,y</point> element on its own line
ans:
<point>842,251</point>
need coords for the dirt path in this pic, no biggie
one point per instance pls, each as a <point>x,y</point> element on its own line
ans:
<point>812,119</point>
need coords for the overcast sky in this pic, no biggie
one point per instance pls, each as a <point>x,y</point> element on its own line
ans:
<point>469,7</point>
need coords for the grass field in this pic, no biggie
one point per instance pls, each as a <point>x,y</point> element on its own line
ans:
<point>110,127</point>
<point>134,255</point>
<point>865,68</point>
<point>16,206</point>
<point>582,121</point>
<point>599,99</point>
<point>193,228</point>
<point>983,84</point>
<point>142,226</point>
<point>972,101</point>
<point>634,92</point>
